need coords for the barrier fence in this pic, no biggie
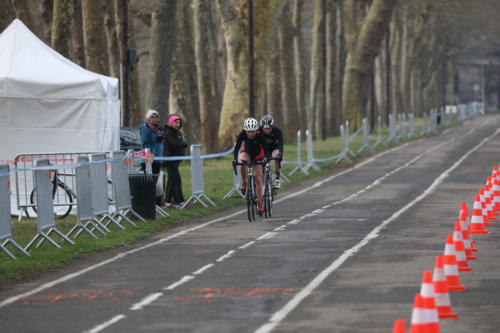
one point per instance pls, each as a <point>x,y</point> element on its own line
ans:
<point>57,183</point>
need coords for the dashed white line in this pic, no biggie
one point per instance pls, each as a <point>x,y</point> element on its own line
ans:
<point>203,269</point>
<point>267,235</point>
<point>110,322</point>
<point>246,245</point>
<point>178,283</point>
<point>227,255</point>
<point>145,301</point>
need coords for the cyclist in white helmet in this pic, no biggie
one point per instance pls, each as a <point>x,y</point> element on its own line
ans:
<point>252,151</point>
<point>273,144</point>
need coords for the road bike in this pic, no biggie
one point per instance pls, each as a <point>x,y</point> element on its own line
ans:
<point>269,190</point>
<point>63,196</point>
<point>251,193</point>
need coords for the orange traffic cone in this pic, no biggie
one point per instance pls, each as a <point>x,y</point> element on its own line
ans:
<point>443,303</point>
<point>484,209</point>
<point>399,326</point>
<point>465,223</point>
<point>432,316</point>
<point>469,248</point>
<point>418,316</point>
<point>427,293</point>
<point>477,220</point>
<point>496,193</point>
<point>488,196</point>
<point>451,272</point>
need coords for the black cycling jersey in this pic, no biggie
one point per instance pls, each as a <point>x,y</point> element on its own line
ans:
<point>272,141</point>
<point>252,147</point>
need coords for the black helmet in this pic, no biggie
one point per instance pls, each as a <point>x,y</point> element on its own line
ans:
<point>267,121</point>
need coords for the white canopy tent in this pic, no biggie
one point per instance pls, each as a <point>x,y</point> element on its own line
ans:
<point>50,104</point>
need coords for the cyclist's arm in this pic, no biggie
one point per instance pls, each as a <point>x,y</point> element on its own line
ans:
<point>237,146</point>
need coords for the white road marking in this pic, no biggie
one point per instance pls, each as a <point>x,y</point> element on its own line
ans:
<point>203,269</point>
<point>278,316</point>
<point>246,245</point>
<point>145,301</point>
<point>174,285</point>
<point>102,326</point>
<point>267,235</point>
<point>227,255</point>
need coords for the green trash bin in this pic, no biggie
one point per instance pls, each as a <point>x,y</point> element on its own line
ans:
<point>143,192</point>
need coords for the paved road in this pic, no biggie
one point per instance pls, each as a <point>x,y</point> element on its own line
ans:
<point>343,254</point>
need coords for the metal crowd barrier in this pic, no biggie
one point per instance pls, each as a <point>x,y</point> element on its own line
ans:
<point>5,223</point>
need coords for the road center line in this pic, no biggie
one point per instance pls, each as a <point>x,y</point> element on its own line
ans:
<point>145,301</point>
<point>110,322</point>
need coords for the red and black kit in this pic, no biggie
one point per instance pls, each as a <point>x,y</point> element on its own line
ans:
<point>253,147</point>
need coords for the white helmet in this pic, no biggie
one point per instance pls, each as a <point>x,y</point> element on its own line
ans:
<point>251,124</point>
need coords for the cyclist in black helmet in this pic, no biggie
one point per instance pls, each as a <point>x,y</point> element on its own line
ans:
<point>273,144</point>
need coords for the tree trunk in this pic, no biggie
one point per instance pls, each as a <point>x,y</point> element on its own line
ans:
<point>136,114</point>
<point>288,89</point>
<point>235,107</point>
<point>274,105</point>
<point>112,38</point>
<point>332,113</point>
<point>93,36</point>
<point>122,36</point>
<point>6,14</point>
<point>340,57</point>
<point>300,70</point>
<point>78,49</point>
<point>22,12</point>
<point>61,27</point>
<point>360,58</point>
<point>316,117</point>
<point>205,63</point>
<point>46,8</point>
<point>183,99</point>
<point>162,45</point>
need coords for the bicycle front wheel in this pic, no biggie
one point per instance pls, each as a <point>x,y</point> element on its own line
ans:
<point>251,203</point>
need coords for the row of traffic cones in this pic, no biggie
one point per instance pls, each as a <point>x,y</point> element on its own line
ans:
<point>433,301</point>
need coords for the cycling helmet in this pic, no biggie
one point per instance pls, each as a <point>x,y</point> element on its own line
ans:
<point>267,121</point>
<point>251,124</point>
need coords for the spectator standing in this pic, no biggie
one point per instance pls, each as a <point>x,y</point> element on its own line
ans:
<point>152,138</point>
<point>173,146</point>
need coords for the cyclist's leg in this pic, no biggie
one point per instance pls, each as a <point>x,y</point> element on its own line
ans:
<point>243,170</point>
<point>277,182</point>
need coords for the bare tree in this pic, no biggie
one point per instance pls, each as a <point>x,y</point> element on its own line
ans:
<point>205,63</point>
<point>316,118</point>
<point>360,58</point>
<point>112,38</point>
<point>61,27</point>
<point>93,37</point>
<point>274,101</point>
<point>46,7</point>
<point>162,44</point>
<point>300,69</point>
<point>78,55</point>
<point>6,14</point>
<point>286,36</point>
<point>121,7</point>
<point>22,12</point>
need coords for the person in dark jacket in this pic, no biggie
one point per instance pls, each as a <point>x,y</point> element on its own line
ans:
<point>173,146</point>
<point>152,138</point>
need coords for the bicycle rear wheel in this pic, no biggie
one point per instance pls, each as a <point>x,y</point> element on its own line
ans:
<point>268,197</point>
<point>63,201</point>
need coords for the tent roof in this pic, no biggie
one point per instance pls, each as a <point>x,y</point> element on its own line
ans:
<point>31,69</point>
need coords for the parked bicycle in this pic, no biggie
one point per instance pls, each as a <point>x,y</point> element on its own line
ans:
<point>63,196</point>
